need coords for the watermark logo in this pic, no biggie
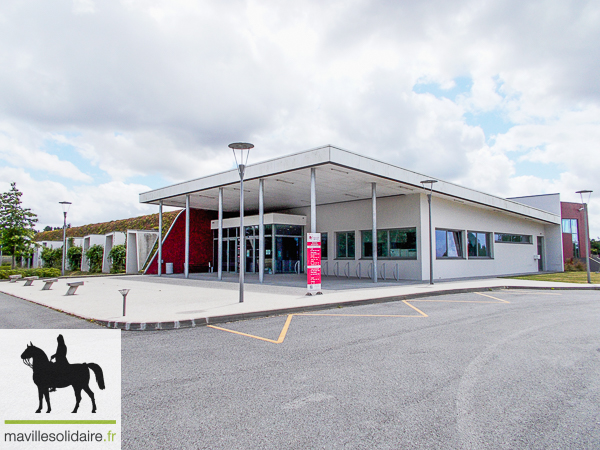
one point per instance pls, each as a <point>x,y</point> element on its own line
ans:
<point>42,404</point>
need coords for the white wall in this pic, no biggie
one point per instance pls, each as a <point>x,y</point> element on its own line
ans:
<point>392,212</point>
<point>110,240</point>
<point>139,246</point>
<point>412,211</point>
<point>507,258</point>
<point>89,241</point>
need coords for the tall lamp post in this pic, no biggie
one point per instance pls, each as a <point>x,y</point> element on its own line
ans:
<point>586,237</point>
<point>241,150</point>
<point>430,183</point>
<point>65,207</point>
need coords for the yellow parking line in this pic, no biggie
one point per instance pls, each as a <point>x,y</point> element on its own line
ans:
<point>518,292</point>
<point>281,338</point>
<point>288,321</point>
<point>489,296</point>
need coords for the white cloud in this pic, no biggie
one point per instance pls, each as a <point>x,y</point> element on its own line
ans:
<point>160,87</point>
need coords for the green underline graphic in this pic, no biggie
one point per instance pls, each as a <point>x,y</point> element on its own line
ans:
<point>60,422</point>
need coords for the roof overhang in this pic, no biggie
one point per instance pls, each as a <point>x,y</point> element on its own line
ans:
<point>341,176</point>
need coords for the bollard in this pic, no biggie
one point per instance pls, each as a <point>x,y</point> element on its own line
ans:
<point>124,293</point>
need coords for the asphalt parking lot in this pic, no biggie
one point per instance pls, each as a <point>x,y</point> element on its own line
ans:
<point>496,369</point>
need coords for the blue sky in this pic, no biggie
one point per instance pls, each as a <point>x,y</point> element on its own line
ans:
<point>100,101</point>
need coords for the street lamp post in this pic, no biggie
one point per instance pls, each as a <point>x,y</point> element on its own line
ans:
<point>65,207</point>
<point>241,150</point>
<point>586,236</point>
<point>430,183</point>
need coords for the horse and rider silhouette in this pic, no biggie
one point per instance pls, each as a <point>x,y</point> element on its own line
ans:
<point>48,375</point>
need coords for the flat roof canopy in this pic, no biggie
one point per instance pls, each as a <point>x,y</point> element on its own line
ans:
<point>341,176</point>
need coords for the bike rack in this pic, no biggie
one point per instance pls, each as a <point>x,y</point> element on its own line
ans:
<point>325,272</point>
<point>347,270</point>
<point>397,273</point>
<point>382,271</point>
<point>370,271</point>
<point>297,267</point>
<point>336,269</point>
<point>357,271</point>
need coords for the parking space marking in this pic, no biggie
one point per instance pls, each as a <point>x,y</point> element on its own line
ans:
<point>490,296</point>
<point>519,292</point>
<point>288,321</point>
<point>281,338</point>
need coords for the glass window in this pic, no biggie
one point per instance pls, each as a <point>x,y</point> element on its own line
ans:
<point>513,238</point>
<point>323,245</point>
<point>566,226</point>
<point>479,245</point>
<point>345,244</point>
<point>288,230</point>
<point>268,230</point>
<point>397,243</point>
<point>448,244</point>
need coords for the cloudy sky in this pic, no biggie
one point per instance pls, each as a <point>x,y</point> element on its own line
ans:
<point>100,101</point>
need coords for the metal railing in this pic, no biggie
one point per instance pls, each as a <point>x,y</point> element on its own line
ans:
<point>297,267</point>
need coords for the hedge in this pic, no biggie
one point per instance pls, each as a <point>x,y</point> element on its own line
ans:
<point>42,273</point>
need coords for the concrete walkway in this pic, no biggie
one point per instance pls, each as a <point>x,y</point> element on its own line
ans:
<point>175,302</point>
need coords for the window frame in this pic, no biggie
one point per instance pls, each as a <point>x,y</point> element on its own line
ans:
<point>512,235</point>
<point>324,252</point>
<point>346,233</point>
<point>459,247</point>
<point>489,241</point>
<point>388,242</point>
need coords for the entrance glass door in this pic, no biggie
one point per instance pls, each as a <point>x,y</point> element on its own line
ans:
<point>288,251</point>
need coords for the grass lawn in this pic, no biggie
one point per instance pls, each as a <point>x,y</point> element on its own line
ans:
<point>565,277</point>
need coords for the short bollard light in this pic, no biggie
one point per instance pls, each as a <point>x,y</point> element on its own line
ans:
<point>124,293</point>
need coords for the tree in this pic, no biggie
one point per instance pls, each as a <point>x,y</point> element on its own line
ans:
<point>595,246</point>
<point>16,224</point>
<point>74,255</point>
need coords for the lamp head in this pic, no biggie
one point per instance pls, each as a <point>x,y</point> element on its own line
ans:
<point>429,182</point>
<point>585,192</point>
<point>65,206</point>
<point>241,150</point>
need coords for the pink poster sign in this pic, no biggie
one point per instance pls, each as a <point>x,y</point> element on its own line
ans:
<point>313,266</point>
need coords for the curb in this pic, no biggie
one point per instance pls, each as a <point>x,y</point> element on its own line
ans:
<point>203,321</point>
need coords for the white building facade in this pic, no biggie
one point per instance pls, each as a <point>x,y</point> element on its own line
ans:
<point>349,198</point>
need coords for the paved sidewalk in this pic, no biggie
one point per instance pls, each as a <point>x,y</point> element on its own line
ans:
<point>175,302</point>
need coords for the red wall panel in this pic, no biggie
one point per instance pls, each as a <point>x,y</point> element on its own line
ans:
<point>201,243</point>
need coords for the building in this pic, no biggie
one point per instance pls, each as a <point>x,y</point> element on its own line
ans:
<point>349,199</point>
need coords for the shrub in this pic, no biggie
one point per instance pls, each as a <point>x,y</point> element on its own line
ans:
<point>52,258</point>
<point>41,272</point>
<point>572,265</point>
<point>94,255</point>
<point>117,257</point>
<point>74,257</point>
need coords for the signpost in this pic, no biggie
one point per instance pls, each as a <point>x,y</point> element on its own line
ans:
<point>313,272</point>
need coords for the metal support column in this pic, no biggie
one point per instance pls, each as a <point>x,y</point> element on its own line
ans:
<point>374,239</point>
<point>587,242</point>
<point>242,236</point>
<point>261,230</point>
<point>430,242</point>
<point>186,265</point>
<point>160,225</point>
<point>220,238</point>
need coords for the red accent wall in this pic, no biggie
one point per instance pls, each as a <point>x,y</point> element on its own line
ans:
<point>571,211</point>
<point>201,243</point>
